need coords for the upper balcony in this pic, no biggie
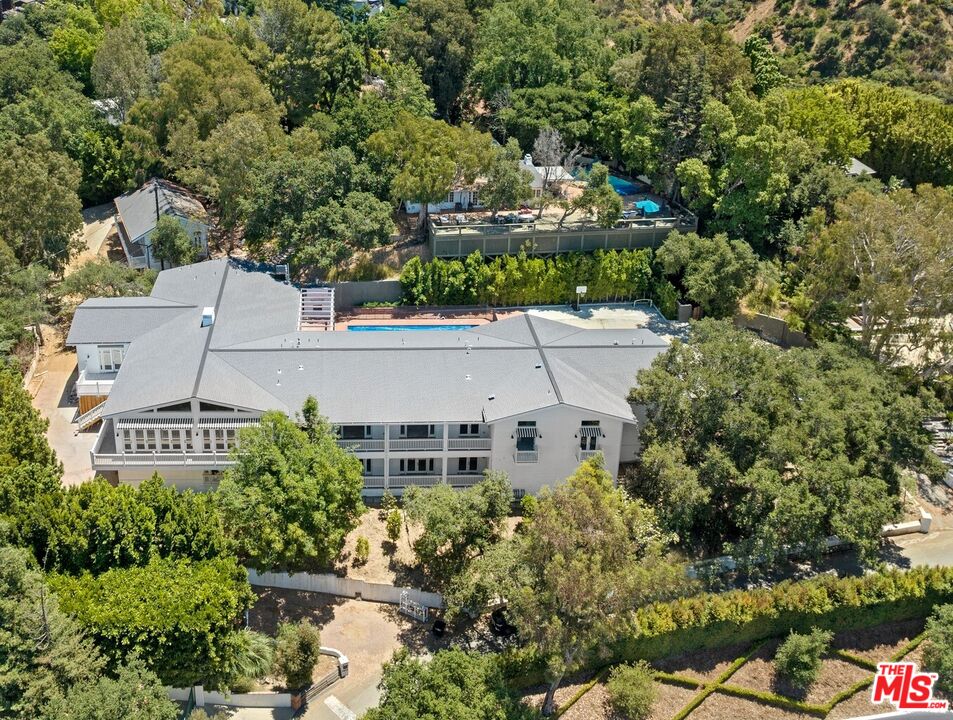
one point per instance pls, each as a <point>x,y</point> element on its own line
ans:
<point>99,384</point>
<point>106,456</point>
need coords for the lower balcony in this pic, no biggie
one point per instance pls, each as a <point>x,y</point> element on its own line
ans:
<point>583,455</point>
<point>400,481</point>
<point>366,445</point>
<point>526,456</point>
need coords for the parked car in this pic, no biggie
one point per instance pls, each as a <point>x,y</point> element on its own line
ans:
<point>526,217</point>
<point>507,218</point>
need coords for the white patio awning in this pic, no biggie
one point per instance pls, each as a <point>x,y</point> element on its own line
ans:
<point>228,422</point>
<point>590,431</point>
<point>526,432</point>
<point>156,423</point>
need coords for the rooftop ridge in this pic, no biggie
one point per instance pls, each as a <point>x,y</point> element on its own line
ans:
<point>211,330</point>
<point>542,355</point>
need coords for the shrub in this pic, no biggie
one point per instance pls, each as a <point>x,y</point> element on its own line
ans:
<point>296,653</point>
<point>631,690</point>
<point>394,522</point>
<point>798,659</point>
<point>529,504</point>
<point>938,649</point>
<point>362,550</point>
<point>388,505</point>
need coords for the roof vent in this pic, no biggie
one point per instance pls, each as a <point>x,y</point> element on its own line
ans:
<point>208,316</point>
<point>491,397</point>
<point>467,377</point>
<point>538,365</point>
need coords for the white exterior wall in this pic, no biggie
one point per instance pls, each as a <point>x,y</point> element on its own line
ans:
<point>463,197</point>
<point>557,445</point>
<point>180,478</point>
<point>87,356</point>
<point>194,228</point>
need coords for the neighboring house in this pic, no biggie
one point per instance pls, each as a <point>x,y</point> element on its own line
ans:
<point>553,177</point>
<point>138,212</point>
<point>464,197</point>
<point>855,168</point>
<point>215,346</point>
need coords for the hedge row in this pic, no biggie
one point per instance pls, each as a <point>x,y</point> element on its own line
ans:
<point>710,620</point>
<point>523,280</point>
<point>717,620</point>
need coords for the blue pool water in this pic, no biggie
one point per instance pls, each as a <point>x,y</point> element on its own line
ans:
<point>622,186</point>
<point>392,328</point>
<point>649,206</point>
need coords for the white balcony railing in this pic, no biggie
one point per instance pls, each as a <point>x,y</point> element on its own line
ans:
<point>417,444</point>
<point>98,384</point>
<point>374,481</point>
<point>366,445</point>
<point>467,480</point>
<point>139,459</point>
<point>397,481</point>
<point>527,456</point>
<point>582,455</point>
<point>469,443</point>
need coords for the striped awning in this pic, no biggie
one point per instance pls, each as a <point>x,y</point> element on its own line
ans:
<point>228,422</point>
<point>153,423</point>
<point>526,432</point>
<point>590,431</point>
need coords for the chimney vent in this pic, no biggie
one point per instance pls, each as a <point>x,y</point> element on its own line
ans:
<point>208,316</point>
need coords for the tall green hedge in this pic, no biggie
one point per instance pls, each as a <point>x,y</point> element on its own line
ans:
<point>182,617</point>
<point>713,620</point>
<point>523,280</point>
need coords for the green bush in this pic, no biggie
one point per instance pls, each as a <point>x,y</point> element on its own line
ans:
<point>181,617</point>
<point>296,653</point>
<point>362,550</point>
<point>798,659</point>
<point>631,690</point>
<point>938,649</point>
<point>394,523</point>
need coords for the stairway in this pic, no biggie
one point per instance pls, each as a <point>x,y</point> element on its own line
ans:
<point>317,309</point>
<point>90,417</point>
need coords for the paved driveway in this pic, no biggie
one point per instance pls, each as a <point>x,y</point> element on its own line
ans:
<point>54,377</point>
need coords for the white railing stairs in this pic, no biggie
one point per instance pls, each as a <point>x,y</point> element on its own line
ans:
<point>317,309</point>
<point>90,417</point>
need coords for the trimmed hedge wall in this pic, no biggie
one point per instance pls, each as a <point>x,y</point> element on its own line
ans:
<point>716,620</point>
<point>745,616</point>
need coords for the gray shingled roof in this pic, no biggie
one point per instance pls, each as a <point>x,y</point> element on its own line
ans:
<point>254,357</point>
<point>137,209</point>
<point>119,320</point>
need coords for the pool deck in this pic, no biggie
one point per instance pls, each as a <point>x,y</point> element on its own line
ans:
<point>596,316</point>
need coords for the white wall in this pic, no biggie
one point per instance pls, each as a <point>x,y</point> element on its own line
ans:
<point>179,477</point>
<point>87,356</point>
<point>557,446</point>
<point>192,227</point>
<point>464,197</point>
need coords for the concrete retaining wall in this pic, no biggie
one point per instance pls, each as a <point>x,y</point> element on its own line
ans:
<point>352,294</point>
<point>344,587</point>
<point>772,329</point>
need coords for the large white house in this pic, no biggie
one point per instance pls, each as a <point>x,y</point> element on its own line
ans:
<point>215,346</point>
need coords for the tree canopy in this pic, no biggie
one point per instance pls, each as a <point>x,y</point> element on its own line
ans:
<point>292,495</point>
<point>757,451</point>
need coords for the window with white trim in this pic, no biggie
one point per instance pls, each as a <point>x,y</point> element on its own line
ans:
<point>467,465</point>
<point>416,465</point>
<point>110,358</point>
<point>469,429</point>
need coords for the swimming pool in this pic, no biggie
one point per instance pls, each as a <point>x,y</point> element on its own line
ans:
<point>392,328</point>
<point>622,186</point>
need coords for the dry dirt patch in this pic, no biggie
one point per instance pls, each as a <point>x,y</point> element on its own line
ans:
<point>533,695</point>
<point>723,707</point>
<point>594,705</point>
<point>878,643</point>
<point>704,665</point>
<point>835,676</point>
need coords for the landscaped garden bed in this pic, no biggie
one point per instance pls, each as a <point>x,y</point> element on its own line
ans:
<point>739,682</point>
<point>835,676</point>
